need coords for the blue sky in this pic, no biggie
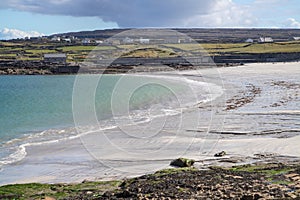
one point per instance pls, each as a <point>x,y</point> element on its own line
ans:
<point>20,18</point>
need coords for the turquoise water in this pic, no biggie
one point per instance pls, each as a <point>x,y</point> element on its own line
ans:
<point>34,103</point>
<point>39,108</point>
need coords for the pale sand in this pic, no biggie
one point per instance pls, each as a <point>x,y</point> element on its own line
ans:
<point>113,154</point>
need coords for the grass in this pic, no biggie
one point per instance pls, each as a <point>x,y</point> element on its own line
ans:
<point>174,170</point>
<point>266,169</point>
<point>77,48</point>
<point>58,191</point>
<point>39,51</point>
<point>127,46</point>
<point>205,46</point>
<point>150,53</point>
<point>282,47</point>
<point>8,54</point>
<point>267,48</point>
<point>273,172</point>
<point>30,58</point>
<point>86,48</point>
<point>10,44</point>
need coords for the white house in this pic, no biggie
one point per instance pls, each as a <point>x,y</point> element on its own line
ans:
<point>68,40</point>
<point>86,41</point>
<point>249,40</point>
<point>128,40</point>
<point>144,41</point>
<point>99,41</point>
<point>55,39</point>
<point>265,40</point>
<point>296,38</point>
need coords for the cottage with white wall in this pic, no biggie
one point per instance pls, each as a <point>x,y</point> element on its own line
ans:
<point>265,40</point>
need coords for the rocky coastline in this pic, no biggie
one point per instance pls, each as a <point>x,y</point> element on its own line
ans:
<point>132,64</point>
<point>246,182</point>
<point>36,68</point>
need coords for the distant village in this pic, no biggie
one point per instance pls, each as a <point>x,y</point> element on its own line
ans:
<point>110,41</point>
<point>128,40</point>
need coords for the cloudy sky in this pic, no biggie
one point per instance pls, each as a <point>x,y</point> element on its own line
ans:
<point>20,18</point>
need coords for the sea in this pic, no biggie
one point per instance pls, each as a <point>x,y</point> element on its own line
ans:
<point>40,109</point>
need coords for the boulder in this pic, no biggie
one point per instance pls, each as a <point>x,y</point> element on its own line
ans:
<point>220,154</point>
<point>182,162</point>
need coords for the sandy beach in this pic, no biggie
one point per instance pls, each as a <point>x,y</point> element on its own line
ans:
<point>256,118</point>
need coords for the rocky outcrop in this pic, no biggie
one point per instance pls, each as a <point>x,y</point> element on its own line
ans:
<point>182,162</point>
<point>35,68</point>
<point>220,154</point>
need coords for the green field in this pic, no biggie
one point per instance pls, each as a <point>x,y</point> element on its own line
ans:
<point>57,191</point>
<point>77,53</point>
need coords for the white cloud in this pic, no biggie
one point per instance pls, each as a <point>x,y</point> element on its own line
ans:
<point>145,13</point>
<point>225,13</point>
<point>292,23</point>
<point>169,13</point>
<point>7,34</point>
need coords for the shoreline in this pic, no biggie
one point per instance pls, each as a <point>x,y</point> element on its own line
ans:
<point>228,128</point>
<point>149,65</point>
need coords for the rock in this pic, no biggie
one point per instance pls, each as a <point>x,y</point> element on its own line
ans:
<point>182,162</point>
<point>220,154</point>
<point>108,194</point>
<point>247,197</point>
<point>49,198</point>
<point>258,196</point>
<point>124,194</point>
<point>251,197</point>
<point>291,195</point>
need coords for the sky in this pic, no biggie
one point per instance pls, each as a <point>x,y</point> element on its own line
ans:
<point>31,18</point>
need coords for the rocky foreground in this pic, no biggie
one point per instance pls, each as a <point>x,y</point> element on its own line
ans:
<point>269,182</point>
<point>266,181</point>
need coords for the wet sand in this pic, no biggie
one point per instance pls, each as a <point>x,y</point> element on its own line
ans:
<point>255,119</point>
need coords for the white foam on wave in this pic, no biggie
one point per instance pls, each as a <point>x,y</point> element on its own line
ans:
<point>214,91</point>
<point>138,117</point>
<point>18,155</point>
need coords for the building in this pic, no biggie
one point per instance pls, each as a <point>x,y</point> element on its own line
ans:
<point>55,39</point>
<point>99,41</point>
<point>144,41</point>
<point>249,40</point>
<point>55,58</point>
<point>128,40</point>
<point>184,40</point>
<point>86,41</point>
<point>67,40</point>
<point>296,38</point>
<point>265,40</point>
